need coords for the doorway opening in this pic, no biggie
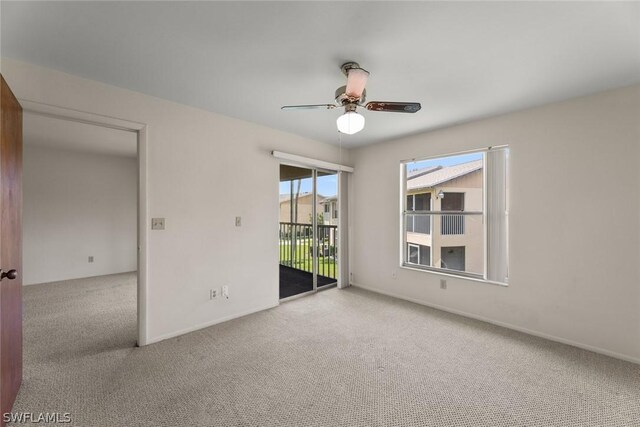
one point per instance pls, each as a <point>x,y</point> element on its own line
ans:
<point>308,230</point>
<point>96,166</point>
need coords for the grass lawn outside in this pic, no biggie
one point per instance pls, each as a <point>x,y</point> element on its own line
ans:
<point>327,266</point>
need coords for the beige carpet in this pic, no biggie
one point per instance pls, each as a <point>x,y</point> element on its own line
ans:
<point>338,358</point>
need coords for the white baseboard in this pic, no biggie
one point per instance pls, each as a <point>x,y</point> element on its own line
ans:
<point>163,337</point>
<point>599,350</point>
<point>79,278</point>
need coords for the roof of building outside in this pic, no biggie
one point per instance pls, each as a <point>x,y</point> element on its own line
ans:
<point>286,197</point>
<point>443,174</point>
<point>329,199</point>
<point>423,171</point>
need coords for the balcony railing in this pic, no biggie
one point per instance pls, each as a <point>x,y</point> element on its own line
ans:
<point>296,248</point>
<point>451,224</point>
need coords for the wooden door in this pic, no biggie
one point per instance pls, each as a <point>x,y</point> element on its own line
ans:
<point>10,248</point>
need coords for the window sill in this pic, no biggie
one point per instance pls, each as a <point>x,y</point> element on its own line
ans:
<point>455,276</point>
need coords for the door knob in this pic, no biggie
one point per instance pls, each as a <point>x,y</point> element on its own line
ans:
<point>11,274</point>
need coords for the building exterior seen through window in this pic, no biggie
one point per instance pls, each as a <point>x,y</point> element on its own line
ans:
<point>444,217</point>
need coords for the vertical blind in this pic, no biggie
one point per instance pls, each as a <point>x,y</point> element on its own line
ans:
<point>343,230</point>
<point>497,214</point>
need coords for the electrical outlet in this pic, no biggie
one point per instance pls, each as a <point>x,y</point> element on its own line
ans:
<point>225,291</point>
<point>90,258</point>
<point>443,284</point>
<point>213,293</point>
<point>157,223</point>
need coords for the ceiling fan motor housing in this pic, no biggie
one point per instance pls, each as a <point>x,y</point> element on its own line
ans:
<point>343,99</point>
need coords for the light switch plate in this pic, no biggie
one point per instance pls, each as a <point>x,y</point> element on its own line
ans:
<point>157,223</point>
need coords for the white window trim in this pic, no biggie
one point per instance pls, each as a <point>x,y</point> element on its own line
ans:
<point>403,240</point>
<point>439,272</point>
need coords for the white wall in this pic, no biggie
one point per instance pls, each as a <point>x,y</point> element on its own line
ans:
<point>574,222</point>
<point>76,205</point>
<point>575,211</point>
<point>202,167</point>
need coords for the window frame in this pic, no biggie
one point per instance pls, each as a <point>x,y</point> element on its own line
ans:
<point>404,213</point>
<point>409,245</point>
<point>419,247</point>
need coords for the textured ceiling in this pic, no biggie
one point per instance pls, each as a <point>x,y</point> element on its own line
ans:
<point>462,61</point>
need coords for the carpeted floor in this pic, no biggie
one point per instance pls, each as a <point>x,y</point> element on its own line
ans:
<point>336,358</point>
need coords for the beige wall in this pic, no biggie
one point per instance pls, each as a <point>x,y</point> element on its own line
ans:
<point>191,155</point>
<point>330,218</point>
<point>574,270</point>
<point>473,237</point>
<point>305,210</point>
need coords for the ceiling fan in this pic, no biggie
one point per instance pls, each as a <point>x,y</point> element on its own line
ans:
<point>352,96</point>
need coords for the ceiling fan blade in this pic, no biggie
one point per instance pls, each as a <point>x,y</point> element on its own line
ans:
<point>356,81</point>
<point>393,107</point>
<point>310,107</point>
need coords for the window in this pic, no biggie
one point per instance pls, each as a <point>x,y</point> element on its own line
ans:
<point>452,257</point>
<point>419,254</point>
<point>455,214</point>
<point>414,254</point>
<point>417,223</point>
<point>327,208</point>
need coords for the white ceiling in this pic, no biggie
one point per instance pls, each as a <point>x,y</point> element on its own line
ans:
<point>462,61</point>
<point>50,132</point>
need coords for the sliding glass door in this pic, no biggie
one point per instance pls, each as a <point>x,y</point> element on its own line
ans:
<point>296,230</point>
<point>327,228</point>
<point>307,230</point>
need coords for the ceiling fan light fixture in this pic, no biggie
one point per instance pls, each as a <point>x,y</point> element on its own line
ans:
<point>350,123</point>
<point>356,81</point>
